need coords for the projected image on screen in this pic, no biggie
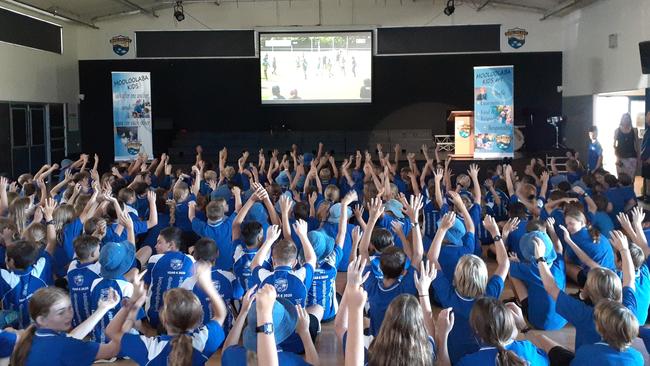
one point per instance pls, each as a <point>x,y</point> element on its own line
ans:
<point>316,67</point>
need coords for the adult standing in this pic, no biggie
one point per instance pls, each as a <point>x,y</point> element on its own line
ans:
<point>645,159</point>
<point>626,147</point>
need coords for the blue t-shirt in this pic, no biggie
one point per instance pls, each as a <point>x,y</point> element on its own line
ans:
<point>228,288</point>
<point>581,315</point>
<point>601,251</point>
<point>64,251</point>
<point>515,236</point>
<point>236,356</point>
<point>541,306</point>
<point>601,221</point>
<point>379,297</point>
<point>80,278</point>
<point>16,287</point>
<point>461,338</point>
<point>450,254</point>
<point>642,293</point>
<point>332,230</point>
<point>595,152</point>
<point>182,220</point>
<point>221,233</point>
<point>290,284</point>
<point>386,223</point>
<point>152,235</point>
<point>164,271</point>
<point>524,349</point>
<point>58,349</point>
<point>100,288</point>
<point>323,289</point>
<point>431,216</point>
<point>601,354</point>
<point>242,266</point>
<point>501,210</point>
<point>155,351</point>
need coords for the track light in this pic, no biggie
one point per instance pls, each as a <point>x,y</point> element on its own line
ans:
<point>179,14</point>
<point>449,9</point>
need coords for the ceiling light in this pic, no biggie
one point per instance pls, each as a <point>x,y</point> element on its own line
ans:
<point>449,9</point>
<point>179,14</point>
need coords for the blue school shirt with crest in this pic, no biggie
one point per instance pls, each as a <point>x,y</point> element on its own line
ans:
<point>450,254</point>
<point>54,348</point>
<point>541,306</point>
<point>601,252</point>
<point>228,288</point>
<point>80,278</point>
<point>18,286</point>
<point>641,292</point>
<point>488,355</point>
<point>154,351</point>
<point>431,216</point>
<point>182,220</point>
<point>379,297</point>
<point>595,152</point>
<point>236,356</point>
<point>323,289</point>
<point>601,354</point>
<point>242,266</point>
<point>501,210</point>
<point>100,288</point>
<point>290,284</point>
<point>462,340</point>
<point>515,236</point>
<point>221,233</point>
<point>164,272</point>
<point>581,315</point>
<point>47,274</point>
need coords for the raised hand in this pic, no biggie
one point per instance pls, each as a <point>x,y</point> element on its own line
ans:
<point>358,210</point>
<point>151,196</point>
<point>376,209</point>
<point>413,207</point>
<point>473,171</point>
<point>447,221</point>
<point>397,227</point>
<point>247,299</point>
<point>48,209</point>
<point>302,325</point>
<point>264,300</point>
<point>273,233</point>
<point>455,198</point>
<point>491,225</point>
<point>567,235</point>
<point>445,321</point>
<point>355,275</point>
<point>510,225</point>
<point>349,198</point>
<point>300,227</point>
<point>427,275</point>
<point>356,234</point>
<point>619,240</point>
<point>540,247</point>
<point>109,301</point>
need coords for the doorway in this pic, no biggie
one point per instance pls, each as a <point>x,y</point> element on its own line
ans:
<point>29,126</point>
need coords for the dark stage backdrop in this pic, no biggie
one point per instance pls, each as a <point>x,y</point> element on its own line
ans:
<point>408,92</point>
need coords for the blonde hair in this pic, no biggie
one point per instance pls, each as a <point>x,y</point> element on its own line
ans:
<point>181,192</point>
<point>210,175</point>
<point>603,284</point>
<point>470,276</point>
<point>402,338</point>
<point>63,215</point>
<point>18,211</point>
<point>494,325</point>
<point>181,312</point>
<point>229,172</point>
<point>35,232</point>
<point>332,193</point>
<point>616,324</point>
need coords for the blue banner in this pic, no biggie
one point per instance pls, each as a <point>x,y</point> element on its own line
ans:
<point>494,111</point>
<point>132,133</point>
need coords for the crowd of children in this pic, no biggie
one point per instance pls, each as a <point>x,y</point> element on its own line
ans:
<point>168,266</point>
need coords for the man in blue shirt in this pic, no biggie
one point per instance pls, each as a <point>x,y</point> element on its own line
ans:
<point>165,270</point>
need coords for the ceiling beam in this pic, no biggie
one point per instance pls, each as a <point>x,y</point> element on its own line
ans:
<point>480,7</point>
<point>52,12</point>
<point>513,5</point>
<point>559,8</point>
<point>135,6</point>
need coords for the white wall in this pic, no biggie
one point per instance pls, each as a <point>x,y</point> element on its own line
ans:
<point>590,67</point>
<point>543,35</point>
<point>39,76</point>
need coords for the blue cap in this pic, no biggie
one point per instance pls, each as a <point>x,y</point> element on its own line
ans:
<point>322,243</point>
<point>283,179</point>
<point>395,207</point>
<point>221,192</point>
<point>257,213</point>
<point>456,232</point>
<point>527,247</point>
<point>116,259</point>
<point>335,213</point>
<point>285,318</point>
<point>65,163</point>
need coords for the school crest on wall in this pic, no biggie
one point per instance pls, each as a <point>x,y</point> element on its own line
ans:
<point>120,44</point>
<point>516,37</point>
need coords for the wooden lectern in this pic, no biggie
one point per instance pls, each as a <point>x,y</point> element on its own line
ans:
<point>463,133</point>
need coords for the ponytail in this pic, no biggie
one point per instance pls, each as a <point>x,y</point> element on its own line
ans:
<point>508,358</point>
<point>24,345</point>
<point>181,353</point>
<point>594,233</point>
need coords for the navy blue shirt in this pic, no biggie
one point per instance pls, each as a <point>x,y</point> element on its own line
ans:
<point>379,297</point>
<point>221,233</point>
<point>57,348</point>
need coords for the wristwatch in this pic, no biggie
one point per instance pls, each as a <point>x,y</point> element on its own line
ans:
<point>497,238</point>
<point>540,259</point>
<point>266,328</point>
<point>414,224</point>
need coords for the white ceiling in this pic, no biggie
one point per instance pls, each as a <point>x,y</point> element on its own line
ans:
<point>89,12</point>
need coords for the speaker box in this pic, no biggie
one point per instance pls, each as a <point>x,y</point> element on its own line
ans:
<point>644,51</point>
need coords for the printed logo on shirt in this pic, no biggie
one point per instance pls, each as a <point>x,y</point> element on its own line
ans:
<point>281,284</point>
<point>176,264</point>
<point>217,285</point>
<point>78,280</point>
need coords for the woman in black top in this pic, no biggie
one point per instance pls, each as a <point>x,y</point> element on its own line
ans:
<point>626,147</point>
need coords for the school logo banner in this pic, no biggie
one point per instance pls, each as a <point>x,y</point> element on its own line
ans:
<point>120,44</point>
<point>516,37</point>
<point>132,115</point>
<point>494,111</point>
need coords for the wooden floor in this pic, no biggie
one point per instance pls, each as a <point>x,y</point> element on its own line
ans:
<point>331,353</point>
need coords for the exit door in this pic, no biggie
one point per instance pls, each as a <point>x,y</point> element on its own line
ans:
<point>29,126</point>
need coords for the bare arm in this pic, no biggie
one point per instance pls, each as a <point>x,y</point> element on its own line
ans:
<point>376,209</point>
<point>620,243</point>
<point>238,324</point>
<point>503,263</point>
<point>272,234</point>
<point>584,257</point>
<point>436,245</point>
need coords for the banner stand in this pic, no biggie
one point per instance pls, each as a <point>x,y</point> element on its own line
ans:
<point>494,112</point>
<point>132,130</point>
